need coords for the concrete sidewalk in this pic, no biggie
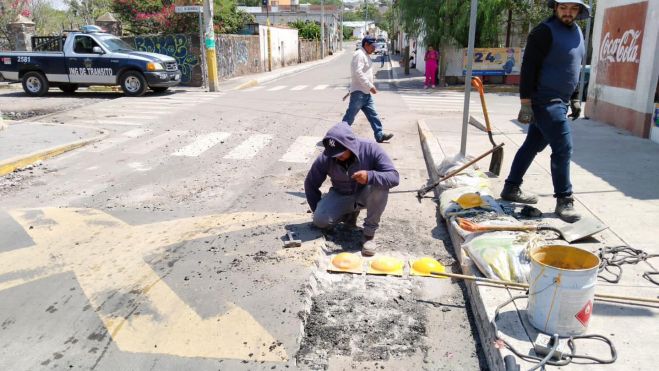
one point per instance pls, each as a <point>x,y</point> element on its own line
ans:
<point>615,177</point>
<point>28,141</point>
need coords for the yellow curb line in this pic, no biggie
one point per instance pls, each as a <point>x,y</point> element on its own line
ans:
<point>245,85</point>
<point>10,165</point>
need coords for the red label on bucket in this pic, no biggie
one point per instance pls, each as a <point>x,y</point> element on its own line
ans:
<point>584,314</point>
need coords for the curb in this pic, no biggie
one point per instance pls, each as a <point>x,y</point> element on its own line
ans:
<point>12,164</point>
<point>431,152</point>
<point>268,76</point>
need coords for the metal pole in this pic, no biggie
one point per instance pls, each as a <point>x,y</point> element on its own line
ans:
<point>582,76</point>
<point>365,17</point>
<point>211,61</point>
<point>322,29</point>
<point>267,9</point>
<point>341,33</point>
<point>470,60</point>
<point>202,51</point>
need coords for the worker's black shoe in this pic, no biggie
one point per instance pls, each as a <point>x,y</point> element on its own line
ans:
<point>514,194</point>
<point>350,219</point>
<point>565,210</point>
<point>385,137</point>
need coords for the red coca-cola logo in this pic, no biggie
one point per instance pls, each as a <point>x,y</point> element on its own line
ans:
<point>621,45</point>
<point>623,49</point>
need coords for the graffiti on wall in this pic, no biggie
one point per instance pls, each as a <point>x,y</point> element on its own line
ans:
<point>176,46</point>
<point>233,56</point>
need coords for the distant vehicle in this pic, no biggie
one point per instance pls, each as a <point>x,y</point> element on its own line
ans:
<point>381,40</point>
<point>90,58</point>
<point>381,48</point>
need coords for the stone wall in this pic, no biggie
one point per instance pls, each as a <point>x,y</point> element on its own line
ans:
<point>309,50</point>
<point>183,47</point>
<point>237,55</point>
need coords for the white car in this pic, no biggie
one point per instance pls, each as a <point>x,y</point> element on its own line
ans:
<point>381,48</point>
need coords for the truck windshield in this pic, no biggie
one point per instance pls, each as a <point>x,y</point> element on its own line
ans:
<point>115,44</point>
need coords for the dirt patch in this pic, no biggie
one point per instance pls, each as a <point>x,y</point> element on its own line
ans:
<point>21,178</point>
<point>365,318</point>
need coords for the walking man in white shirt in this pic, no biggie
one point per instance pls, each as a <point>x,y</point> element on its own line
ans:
<point>362,88</point>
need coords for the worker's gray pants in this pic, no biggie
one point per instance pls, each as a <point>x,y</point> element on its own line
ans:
<point>333,207</point>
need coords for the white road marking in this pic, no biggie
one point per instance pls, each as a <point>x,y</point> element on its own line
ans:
<point>302,150</point>
<point>250,147</point>
<point>320,87</point>
<point>341,88</point>
<point>259,87</point>
<point>108,122</point>
<point>135,133</point>
<point>138,166</point>
<point>299,87</point>
<point>280,87</point>
<point>155,142</point>
<point>202,144</point>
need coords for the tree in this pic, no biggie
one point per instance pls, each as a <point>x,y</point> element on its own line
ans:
<point>89,10</point>
<point>306,30</point>
<point>9,10</point>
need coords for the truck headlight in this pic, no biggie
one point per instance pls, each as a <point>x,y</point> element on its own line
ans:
<point>151,66</point>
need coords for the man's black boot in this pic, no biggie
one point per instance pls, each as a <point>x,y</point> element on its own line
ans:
<point>565,210</point>
<point>385,137</point>
<point>514,194</point>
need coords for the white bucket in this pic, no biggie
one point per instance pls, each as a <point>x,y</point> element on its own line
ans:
<point>562,289</point>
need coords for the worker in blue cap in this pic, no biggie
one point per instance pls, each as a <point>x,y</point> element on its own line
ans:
<point>362,89</point>
<point>548,84</point>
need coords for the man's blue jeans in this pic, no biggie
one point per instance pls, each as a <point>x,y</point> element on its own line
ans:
<point>360,101</point>
<point>550,127</point>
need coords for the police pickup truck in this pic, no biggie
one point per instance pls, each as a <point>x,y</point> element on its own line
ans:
<point>90,58</point>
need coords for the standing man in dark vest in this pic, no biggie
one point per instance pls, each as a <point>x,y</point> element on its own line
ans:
<point>549,79</point>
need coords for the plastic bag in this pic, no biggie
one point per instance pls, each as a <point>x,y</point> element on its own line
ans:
<point>502,255</point>
<point>469,177</point>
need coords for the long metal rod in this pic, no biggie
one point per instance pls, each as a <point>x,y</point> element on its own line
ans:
<point>525,286</point>
<point>470,60</point>
<point>202,51</point>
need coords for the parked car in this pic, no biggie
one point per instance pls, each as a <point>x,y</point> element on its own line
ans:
<point>381,48</point>
<point>90,58</point>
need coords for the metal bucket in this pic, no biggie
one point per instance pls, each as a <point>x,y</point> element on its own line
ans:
<point>561,289</point>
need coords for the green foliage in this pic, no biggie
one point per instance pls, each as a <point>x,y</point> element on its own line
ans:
<point>326,2</point>
<point>306,30</point>
<point>347,33</point>
<point>227,18</point>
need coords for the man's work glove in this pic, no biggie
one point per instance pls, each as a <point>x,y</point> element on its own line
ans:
<point>575,107</point>
<point>525,115</point>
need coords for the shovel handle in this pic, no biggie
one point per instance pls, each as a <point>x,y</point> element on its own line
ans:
<point>473,227</point>
<point>478,84</point>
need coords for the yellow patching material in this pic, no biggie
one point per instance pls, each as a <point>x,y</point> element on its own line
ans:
<point>386,265</point>
<point>425,265</point>
<point>470,200</point>
<point>345,262</point>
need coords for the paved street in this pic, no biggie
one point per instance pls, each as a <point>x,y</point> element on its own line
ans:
<point>159,247</point>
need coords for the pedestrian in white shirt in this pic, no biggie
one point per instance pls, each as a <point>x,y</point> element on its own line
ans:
<point>362,89</point>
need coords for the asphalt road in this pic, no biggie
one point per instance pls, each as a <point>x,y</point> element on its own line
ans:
<point>160,247</point>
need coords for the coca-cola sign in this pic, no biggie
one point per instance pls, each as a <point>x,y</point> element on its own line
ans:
<point>621,44</point>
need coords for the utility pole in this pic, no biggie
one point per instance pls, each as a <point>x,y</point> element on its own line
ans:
<point>211,61</point>
<point>341,33</point>
<point>322,29</point>
<point>267,22</point>
<point>470,62</point>
<point>582,75</point>
<point>365,17</point>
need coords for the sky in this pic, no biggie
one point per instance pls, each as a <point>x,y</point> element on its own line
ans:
<point>58,4</point>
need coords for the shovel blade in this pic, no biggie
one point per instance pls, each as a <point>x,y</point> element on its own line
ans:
<point>585,227</point>
<point>496,161</point>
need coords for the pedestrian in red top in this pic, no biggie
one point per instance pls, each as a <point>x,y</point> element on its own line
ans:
<point>431,58</point>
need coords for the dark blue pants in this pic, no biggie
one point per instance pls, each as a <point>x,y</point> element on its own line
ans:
<point>364,102</point>
<point>550,127</point>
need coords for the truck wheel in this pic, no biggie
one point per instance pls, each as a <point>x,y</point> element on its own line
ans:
<point>161,89</point>
<point>69,88</point>
<point>35,84</point>
<point>133,84</point>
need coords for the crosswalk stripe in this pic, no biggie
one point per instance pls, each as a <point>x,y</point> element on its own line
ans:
<point>248,148</point>
<point>202,144</point>
<point>108,122</point>
<point>302,150</point>
<point>280,87</point>
<point>107,144</point>
<point>299,87</point>
<point>135,133</point>
<point>155,142</point>
<point>320,87</point>
<point>259,87</point>
<point>340,88</point>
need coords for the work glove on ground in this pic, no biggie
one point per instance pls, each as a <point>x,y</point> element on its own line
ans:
<point>525,115</point>
<point>575,107</point>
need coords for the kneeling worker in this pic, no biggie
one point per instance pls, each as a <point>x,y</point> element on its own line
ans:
<point>361,174</point>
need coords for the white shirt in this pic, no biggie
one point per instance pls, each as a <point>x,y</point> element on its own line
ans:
<point>361,70</point>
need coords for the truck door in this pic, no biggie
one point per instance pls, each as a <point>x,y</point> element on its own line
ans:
<point>87,67</point>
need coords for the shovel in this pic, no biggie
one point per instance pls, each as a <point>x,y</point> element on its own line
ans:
<point>585,227</point>
<point>497,156</point>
